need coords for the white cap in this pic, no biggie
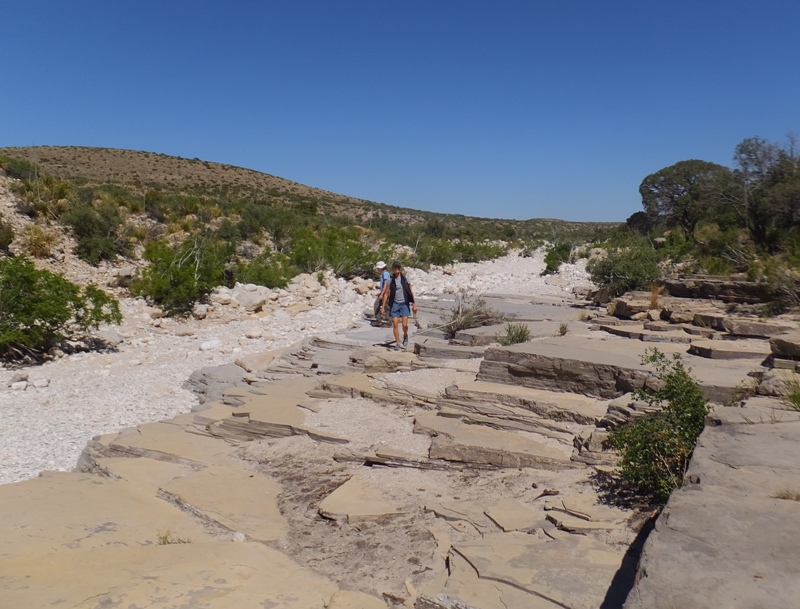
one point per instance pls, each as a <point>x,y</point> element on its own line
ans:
<point>381,265</point>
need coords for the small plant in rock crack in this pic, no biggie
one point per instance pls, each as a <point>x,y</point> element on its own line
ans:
<point>562,329</point>
<point>515,333</point>
<point>167,538</point>
<point>791,391</point>
<point>655,449</point>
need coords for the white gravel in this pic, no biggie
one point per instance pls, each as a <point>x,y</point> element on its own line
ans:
<point>46,427</point>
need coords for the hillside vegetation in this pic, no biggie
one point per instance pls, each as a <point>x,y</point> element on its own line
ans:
<point>703,218</point>
<point>201,224</point>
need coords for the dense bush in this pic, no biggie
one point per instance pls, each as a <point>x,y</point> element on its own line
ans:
<point>557,254</point>
<point>97,230</point>
<point>6,234</point>
<point>340,250</point>
<point>179,276</point>
<point>634,268</point>
<point>39,308</point>
<point>273,271</point>
<point>656,448</point>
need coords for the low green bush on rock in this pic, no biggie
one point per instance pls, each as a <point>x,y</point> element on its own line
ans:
<point>39,308</point>
<point>656,448</point>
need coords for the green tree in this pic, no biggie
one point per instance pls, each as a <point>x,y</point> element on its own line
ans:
<point>39,308</point>
<point>684,193</point>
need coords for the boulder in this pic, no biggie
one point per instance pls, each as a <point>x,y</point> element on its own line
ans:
<point>251,301</point>
<point>786,345</point>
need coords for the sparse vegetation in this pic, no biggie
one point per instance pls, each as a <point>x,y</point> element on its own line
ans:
<point>265,228</point>
<point>167,538</point>
<point>470,311</point>
<point>514,334</point>
<point>791,391</point>
<point>38,241</point>
<point>563,328</point>
<point>656,448</point>
<point>39,308</point>
<point>787,493</point>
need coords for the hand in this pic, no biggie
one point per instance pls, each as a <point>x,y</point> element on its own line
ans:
<point>414,307</point>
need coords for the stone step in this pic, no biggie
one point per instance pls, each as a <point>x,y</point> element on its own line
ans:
<point>648,336</point>
<point>730,349</point>
<point>603,367</point>
<point>553,405</point>
<point>453,440</point>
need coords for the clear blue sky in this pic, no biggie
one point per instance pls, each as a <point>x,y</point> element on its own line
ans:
<point>513,109</point>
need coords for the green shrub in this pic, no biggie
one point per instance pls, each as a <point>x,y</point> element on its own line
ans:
<point>557,254</point>
<point>273,271</point>
<point>340,250</point>
<point>181,275</point>
<point>6,234</point>
<point>633,268</point>
<point>39,308</point>
<point>656,448</point>
<point>515,333</point>
<point>97,230</point>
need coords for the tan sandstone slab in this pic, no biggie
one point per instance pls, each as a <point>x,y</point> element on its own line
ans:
<point>60,511</point>
<point>168,442</point>
<point>355,501</point>
<point>454,441</point>
<point>574,571</point>
<point>236,498</point>
<point>464,588</point>
<point>148,474</point>
<point>512,515</point>
<point>222,575</point>
<point>351,599</point>
<point>550,404</point>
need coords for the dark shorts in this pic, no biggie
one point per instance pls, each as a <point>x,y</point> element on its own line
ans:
<point>400,309</point>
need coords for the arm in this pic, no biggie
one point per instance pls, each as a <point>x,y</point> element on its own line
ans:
<point>413,299</point>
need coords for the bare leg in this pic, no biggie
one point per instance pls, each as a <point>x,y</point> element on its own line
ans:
<point>405,327</point>
<point>395,323</point>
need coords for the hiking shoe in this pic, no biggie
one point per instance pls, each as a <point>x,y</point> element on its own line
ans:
<point>398,348</point>
<point>405,341</point>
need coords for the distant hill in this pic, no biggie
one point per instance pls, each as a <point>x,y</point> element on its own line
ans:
<point>140,171</point>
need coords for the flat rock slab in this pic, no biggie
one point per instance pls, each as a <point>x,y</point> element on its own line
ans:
<point>786,345</point>
<point>453,440</point>
<point>356,501</point>
<point>605,368</point>
<point>222,575</point>
<point>574,571</point>
<point>441,349</point>
<point>148,474</point>
<point>168,442</point>
<point>553,405</point>
<point>727,540</point>
<point>758,410</point>
<point>512,515</point>
<point>648,336</point>
<point>730,349</point>
<point>62,511</point>
<point>235,498</point>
